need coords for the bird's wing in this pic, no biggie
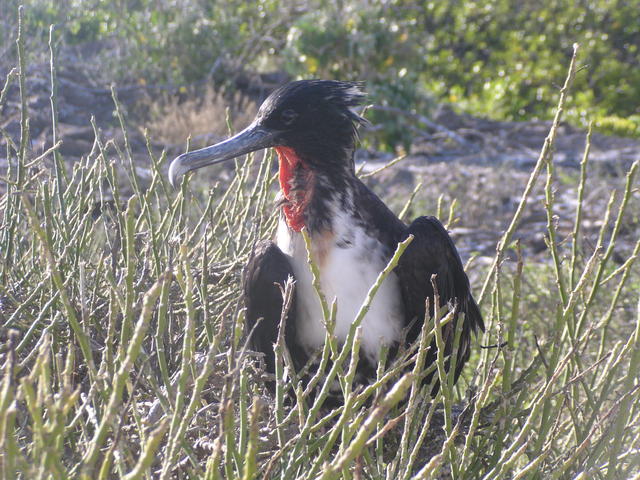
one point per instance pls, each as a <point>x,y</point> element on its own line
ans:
<point>432,252</point>
<point>267,271</point>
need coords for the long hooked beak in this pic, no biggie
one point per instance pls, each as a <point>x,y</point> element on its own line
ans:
<point>248,140</point>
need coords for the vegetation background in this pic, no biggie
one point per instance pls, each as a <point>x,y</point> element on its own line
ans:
<point>500,59</point>
<point>123,353</point>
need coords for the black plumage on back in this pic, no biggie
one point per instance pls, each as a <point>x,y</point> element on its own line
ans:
<point>432,252</point>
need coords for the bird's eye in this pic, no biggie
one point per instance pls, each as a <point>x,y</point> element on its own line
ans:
<point>288,116</point>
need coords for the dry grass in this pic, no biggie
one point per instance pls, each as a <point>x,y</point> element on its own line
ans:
<point>205,117</point>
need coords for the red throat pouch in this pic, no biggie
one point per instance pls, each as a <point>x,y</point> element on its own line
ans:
<point>289,161</point>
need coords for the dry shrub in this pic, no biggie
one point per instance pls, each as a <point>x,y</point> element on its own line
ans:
<point>201,115</point>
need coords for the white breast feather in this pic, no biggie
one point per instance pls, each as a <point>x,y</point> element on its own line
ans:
<point>346,274</point>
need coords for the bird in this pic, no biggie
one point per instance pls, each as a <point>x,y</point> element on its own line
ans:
<point>313,127</point>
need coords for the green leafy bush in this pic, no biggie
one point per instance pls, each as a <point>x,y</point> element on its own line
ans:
<point>501,58</point>
<point>624,127</point>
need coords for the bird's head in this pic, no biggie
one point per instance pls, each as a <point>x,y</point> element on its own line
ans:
<point>309,122</point>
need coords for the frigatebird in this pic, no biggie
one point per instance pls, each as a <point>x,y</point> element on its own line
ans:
<point>312,124</point>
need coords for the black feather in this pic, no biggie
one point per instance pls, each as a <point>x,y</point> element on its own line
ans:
<point>432,252</point>
<point>267,271</point>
